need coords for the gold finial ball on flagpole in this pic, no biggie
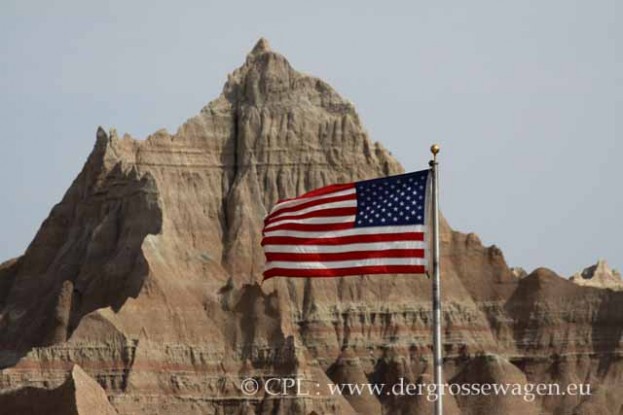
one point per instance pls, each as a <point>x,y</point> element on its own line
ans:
<point>434,149</point>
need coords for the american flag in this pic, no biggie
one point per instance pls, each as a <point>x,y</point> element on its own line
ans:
<point>373,226</point>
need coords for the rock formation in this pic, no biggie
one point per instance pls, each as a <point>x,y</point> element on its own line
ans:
<point>599,275</point>
<point>78,395</point>
<point>146,275</point>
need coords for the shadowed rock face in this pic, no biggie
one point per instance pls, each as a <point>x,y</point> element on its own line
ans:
<point>78,395</point>
<point>147,275</point>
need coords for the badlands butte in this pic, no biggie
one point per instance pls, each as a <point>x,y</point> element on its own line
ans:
<point>140,293</point>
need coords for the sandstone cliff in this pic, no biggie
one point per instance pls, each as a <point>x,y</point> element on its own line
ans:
<point>146,275</point>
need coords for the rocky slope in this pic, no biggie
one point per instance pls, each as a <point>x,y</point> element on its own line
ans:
<point>146,275</point>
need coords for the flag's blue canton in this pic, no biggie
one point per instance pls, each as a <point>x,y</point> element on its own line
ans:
<point>390,201</point>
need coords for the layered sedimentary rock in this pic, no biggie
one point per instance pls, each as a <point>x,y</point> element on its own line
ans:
<point>146,275</point>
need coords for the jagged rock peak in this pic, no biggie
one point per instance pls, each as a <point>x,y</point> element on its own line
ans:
<point>101,134</point>
<point>261,46</point>
<point>267,80</point>
<point>599,275</point>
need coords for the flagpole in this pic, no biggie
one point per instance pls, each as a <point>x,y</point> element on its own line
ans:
<point>437,355</point>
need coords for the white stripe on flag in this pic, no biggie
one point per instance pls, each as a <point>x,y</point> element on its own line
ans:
<point>345,264</point>
<point>298,201</point>
<point>372,230</point>
<point>328,249</point>
<point>319,220</point>
<point>319,208</point>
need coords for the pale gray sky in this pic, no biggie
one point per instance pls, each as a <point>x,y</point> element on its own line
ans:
<point>525,98</point>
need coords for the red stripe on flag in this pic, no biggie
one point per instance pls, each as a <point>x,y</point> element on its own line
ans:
<point>311,203</point>
<point>345,256</point>
<point>322,191</point>
<point>342,272</point>
<point>323,213</point>
<point>312,227</point>
<point>342,240</point>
